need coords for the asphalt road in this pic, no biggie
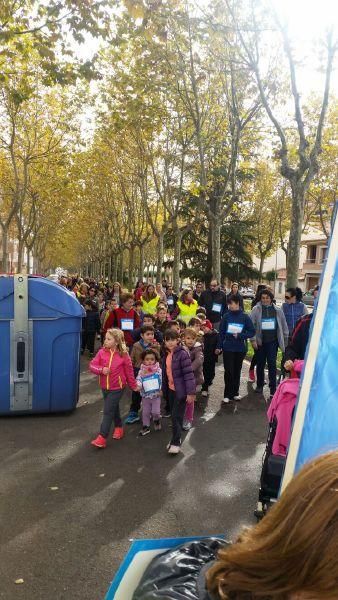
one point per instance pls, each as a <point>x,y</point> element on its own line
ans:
<point>67,542</point>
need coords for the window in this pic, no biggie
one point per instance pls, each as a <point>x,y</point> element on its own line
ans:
<point>322,255</point>
<point>280,287</point>
<point>311,254</point>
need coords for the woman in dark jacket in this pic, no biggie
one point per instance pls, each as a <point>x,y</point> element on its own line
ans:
<point>178,384</point>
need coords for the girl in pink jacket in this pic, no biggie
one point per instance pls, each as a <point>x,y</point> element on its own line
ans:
<point>114,367</point>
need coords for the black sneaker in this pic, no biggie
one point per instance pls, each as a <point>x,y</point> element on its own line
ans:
<point>166,415</point>
<point>145,430</point>
<point>258,390</point>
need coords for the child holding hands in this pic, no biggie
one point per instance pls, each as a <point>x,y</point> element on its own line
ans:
<point>114,367</point>
<point>149,381</point>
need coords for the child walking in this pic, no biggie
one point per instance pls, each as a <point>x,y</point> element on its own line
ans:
<point>114,367</point>
<point>149,381</point>
<point>178,383</point>
<point>146,342</point>
<point>195,349</point>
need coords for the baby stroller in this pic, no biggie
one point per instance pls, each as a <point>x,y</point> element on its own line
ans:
<point>280,416</point>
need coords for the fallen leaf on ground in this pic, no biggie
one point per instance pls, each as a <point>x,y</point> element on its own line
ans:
<point>54,488</point>
<point>102,475</point>
<point>18,581</point>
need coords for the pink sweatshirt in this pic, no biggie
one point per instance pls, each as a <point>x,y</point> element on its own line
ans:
<point>121,369</point>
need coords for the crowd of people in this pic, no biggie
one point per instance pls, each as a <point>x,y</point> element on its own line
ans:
<point>164,345</point>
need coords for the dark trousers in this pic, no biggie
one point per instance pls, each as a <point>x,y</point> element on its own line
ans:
<point>253,363</point>
<point>233,362</point>
<point>177,409</point>
<point>267,352</point>
<point>135,402</point>
<point>111,410</point>
<point>208,373</point>
<point>135,397</point>
<point>88,340</point>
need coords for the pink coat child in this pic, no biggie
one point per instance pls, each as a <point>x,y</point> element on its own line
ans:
<point>115,371</point>
<point>282,407</point>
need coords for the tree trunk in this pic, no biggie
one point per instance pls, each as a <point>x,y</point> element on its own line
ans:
<point>296,224</point>
<point>121,269</point>
<point>131,267</point>
<point>160,257</point>
<point>177,259</point>
<point>28,260</point>
<point>216,249</point>
<point>141,264</point>
<point>261,266</point>
<point>4,262</point>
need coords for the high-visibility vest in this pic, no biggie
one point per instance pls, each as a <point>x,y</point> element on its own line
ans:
<point>149,308</point>
<point>187,311</point>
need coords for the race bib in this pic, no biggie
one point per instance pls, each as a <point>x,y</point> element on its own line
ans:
<point>235,328</point>
<point>268,324</point>
<point>170,301</point>
<point>127,324</point>
<point>151,384</point>
<point>216,307</point>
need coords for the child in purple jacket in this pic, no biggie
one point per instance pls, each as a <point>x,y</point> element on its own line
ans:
<point>178,384</point>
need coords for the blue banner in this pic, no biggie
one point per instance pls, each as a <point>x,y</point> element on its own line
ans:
<point>315,428</point>
<point>320,429</point>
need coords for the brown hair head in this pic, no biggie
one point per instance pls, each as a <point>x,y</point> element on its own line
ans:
<point>293,550</point>
<point>190,332</point>
<point>147,295</point>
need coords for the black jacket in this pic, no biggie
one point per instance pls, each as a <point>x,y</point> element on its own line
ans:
<point>299,341</point>
<point>210,298</point>
<point>91,322</point>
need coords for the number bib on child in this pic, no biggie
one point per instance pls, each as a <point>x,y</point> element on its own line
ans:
<point>268,324</point>
<point>127,324</point>
<point>216,307</point>
<point>170,301</point>
<point>235,328</point>
<point>151,384</point>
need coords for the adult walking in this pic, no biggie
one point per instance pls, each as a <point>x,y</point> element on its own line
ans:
<point>236,327</point>
<point>255,301</point>
<point>171,298</point>
<point>150,300</point>
<point>234,291</point>
<point>186,307</point>
<point>271,333</point>
<point>293,307</point>
<point>215,303</point>
<point>198,291</point>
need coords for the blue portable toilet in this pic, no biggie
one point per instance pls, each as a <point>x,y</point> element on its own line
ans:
<point>40,333</point>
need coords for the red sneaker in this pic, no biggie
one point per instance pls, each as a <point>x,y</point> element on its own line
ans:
<point>252,375</point>
<point>118,433</point>
<point>99,442</point>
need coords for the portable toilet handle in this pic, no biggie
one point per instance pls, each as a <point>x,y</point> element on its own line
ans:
<point>21,396</point>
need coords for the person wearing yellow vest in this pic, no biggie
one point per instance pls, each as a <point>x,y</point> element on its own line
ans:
<point>149,300</point>
<point>186,306</point>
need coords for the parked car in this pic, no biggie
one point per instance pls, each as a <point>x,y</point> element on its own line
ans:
<point>308,298</point>
<point>247,293</point>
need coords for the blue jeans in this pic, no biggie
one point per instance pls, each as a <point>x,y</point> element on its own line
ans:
<point>267,352</point>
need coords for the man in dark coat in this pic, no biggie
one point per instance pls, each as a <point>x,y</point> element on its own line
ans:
<point>214,302</point>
